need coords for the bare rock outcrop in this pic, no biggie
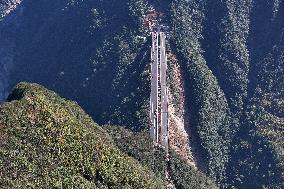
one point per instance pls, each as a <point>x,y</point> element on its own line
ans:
<point>180,139</point>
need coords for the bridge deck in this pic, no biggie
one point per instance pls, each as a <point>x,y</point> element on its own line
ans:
<point>159,95</point>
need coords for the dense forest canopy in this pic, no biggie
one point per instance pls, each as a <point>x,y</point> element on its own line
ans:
<point>231,53</point>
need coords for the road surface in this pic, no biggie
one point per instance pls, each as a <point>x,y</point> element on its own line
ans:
<point>159,95</point>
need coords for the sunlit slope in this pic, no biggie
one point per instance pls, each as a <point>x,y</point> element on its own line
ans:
<point>49,142</point>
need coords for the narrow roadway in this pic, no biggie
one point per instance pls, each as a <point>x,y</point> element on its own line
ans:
<point>154,87</point>
<point>164,95</point>
<point>159,98</point>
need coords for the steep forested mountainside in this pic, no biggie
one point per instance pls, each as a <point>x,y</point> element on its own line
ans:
<point>224,63</point>
<point>231,57</point>
<point>49,142</point>
<point>139,146</point>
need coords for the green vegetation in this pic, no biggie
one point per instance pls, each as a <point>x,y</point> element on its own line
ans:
<point>139,146</point>
<point>259,148</point>
<point>185,177</point>
<point>113,63</point>
<point>227,55</point>
<point>48,142</point>
<point>235,102</point>
<point>230,53</point>
<point>212,120</point>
